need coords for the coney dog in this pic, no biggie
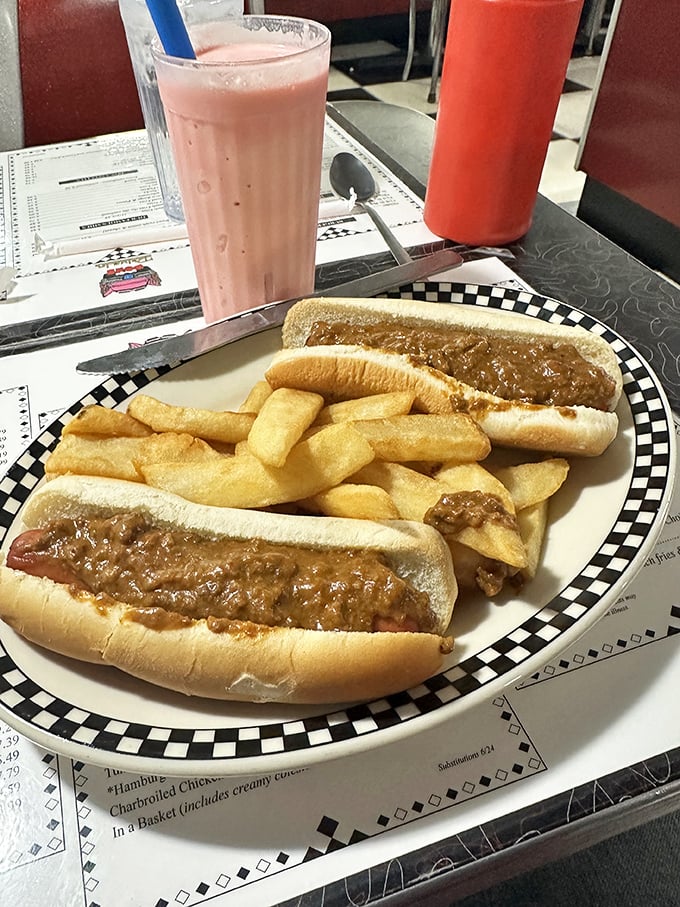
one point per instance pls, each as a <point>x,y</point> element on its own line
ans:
<point>528,383</point>
<point>102,572</point>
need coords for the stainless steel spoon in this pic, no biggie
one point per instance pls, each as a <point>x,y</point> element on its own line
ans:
<point>349,175</point>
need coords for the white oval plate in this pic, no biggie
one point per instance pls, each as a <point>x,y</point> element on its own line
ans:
<point>604,522</point>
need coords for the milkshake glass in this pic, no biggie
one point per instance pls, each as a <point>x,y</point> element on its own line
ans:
<point>246,123</point>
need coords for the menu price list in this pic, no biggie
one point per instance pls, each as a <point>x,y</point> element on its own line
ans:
<point>15,422</point>
<point>31,808</point>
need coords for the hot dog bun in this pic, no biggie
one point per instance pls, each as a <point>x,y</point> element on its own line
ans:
<point>247,661</point>
<point>351,370</point>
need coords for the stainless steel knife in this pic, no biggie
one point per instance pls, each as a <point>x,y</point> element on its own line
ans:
<point>220,333</point>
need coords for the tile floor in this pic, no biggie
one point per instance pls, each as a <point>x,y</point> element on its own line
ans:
<point>373,71</point>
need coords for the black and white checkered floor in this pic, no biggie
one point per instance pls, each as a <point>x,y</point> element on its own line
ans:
<point>373,71</point>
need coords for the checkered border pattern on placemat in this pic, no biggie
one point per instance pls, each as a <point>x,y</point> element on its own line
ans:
<point>60,719</point>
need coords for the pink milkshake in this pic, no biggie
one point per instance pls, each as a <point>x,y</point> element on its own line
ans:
<point>246,124</point>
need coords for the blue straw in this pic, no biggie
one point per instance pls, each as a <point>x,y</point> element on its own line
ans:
<point>171,28</point>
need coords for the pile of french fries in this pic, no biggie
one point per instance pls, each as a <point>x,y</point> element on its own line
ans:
<point>366,458</point>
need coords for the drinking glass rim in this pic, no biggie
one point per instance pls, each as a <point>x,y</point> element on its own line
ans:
<point>324,38</point>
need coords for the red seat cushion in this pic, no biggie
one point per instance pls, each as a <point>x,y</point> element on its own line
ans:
<point>76,75</point>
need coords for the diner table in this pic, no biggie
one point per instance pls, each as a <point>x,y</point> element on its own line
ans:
<point>585,746</point>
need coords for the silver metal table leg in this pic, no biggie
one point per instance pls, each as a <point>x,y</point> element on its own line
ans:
<point>593,24</point>
<point>438,22</point>
<point>411,40</point>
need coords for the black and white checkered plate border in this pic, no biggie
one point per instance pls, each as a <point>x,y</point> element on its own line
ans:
<point>65,726</point>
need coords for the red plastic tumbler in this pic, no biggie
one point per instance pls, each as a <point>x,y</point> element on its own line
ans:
<point>504,68</point>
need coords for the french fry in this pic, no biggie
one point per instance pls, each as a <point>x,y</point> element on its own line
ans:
<point>359,502</point>
<point>425,437</point>
<point>121,458</point>
<point>375,406</point>
<point>414,494</point>
<point>496,541</point>
<point>175,447</point>
<point>256,397</point>
<point>99,420</point>
<point>529,483</point>
<point>95,455</point>
<point>324,460</point>
<point>473,476</point>
<point>212,425</point>
<point>475,572</point>
<point>533,522</point>
<point>280,424</point>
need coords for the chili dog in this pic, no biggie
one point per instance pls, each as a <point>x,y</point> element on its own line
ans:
<point>224,603</point>
<point>528,383</point>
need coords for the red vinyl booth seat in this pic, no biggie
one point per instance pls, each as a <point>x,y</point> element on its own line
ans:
<point>76,75</point>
